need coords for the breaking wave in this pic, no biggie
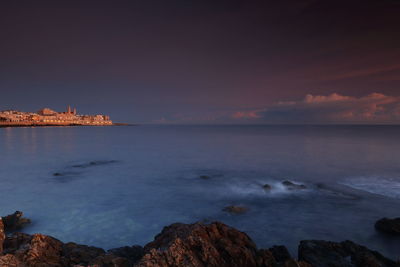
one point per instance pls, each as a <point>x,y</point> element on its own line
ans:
<point>275,188</point>
<point>389,187</point>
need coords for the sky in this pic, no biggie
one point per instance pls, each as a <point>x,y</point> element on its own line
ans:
<point>205,61</point>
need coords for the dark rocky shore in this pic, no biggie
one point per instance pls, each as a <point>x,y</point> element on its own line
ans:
<point>195,245</point>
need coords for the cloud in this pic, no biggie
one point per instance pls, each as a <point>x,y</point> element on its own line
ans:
<point>246,115</point>
<point>321,99</point>
<point>374,108</point>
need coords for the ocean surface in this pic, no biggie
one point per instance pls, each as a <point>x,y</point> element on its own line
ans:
<point>116,186</point>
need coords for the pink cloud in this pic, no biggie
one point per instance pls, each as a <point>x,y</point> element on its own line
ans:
<point>330,98</point>
<point>335,108</point>
<point>246,115</point>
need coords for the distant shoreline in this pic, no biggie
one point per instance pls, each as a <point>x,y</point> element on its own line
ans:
<point>19,124</point>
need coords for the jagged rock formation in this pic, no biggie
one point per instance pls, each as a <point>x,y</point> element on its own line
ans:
<point>38,250</point>
<point>200,245</point>
<point>389,226</point>
<point>14,221</point>
<point>345,254</point>
<point>197,245</point>
<point>183,245</point>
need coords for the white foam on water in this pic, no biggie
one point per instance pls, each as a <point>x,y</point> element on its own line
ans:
<point>256,189</point>
<point>157,182</point>
<point>385,186</point>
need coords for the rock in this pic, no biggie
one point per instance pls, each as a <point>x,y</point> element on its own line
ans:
<point>9,260</point>
<point>280,253</point>
<point>200,245</point>
<point>109,260</point>
<point>344,254</point>
<point>43,251</point>
<point>132,254</point>
<point>57,174</point>
<point>94,163</point>
<point>264,257</point>
<point>283,258</point>
<point>267,187</point>
<point>215,244</point>
<point>192,245</point>
<point>389,226</point>
<point>293,186</point>
<point>2,236</point>
<point>293,263</point>
<point>14,221</point>
<point>16,242</point>
<point>235,209</point>
<point>33,251</point>
<point>74,254</point>
<point>204,177</point>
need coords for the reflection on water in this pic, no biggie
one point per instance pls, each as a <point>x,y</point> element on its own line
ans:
<point>114,186</point>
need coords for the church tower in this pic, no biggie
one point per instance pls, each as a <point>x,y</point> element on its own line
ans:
<point>69,110</point>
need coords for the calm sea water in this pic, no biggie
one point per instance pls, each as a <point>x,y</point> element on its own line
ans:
<point>147,177</point>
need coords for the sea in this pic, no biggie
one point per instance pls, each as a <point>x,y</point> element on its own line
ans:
<point>116,186</point>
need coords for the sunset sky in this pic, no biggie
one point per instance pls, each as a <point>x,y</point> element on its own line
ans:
<point>299,61</point>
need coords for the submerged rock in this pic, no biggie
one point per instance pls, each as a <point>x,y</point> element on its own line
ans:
<point>345,254</point>
<point>389,226</point>
<point>205,177</point>
<point>236,209</point>
<point>293,186</point>
<point>94,163</point>
<point>267,187</point>
<point>14,221</point>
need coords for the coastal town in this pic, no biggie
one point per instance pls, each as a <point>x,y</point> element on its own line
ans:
<point>49,117</point>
